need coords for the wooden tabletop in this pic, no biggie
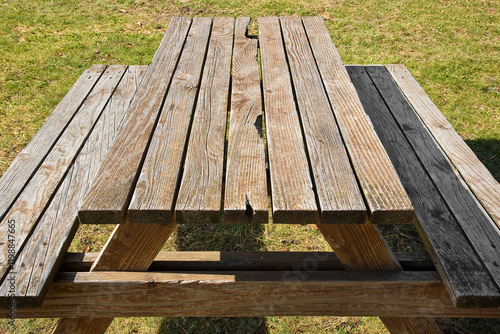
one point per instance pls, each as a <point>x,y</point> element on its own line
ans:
<point>223,127</point>
<point>213,137</point>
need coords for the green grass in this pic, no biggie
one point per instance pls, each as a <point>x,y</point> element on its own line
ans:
<point>451,47</point>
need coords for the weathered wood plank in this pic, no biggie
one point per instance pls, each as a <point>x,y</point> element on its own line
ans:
<point>339,196</point>
<point>463,273</point>
<point>38,263</point>
<point>82,326</point>
<point>384,194</point>
<point>247,261</point>
<point>276,276</point>
<point>26,163</point>
<point>131,247</point>
<point>164,295</point>
<point>200,194</point>
<point>362,247</point>
<point>477,176</point>
<point>479,229</point>
<point>410,325</point>
<point>26,211</point>
<point>245,197</point>
<point>293,199</point>
<point>108,198</point>
<point>359,247</point>
<point>154,194</point>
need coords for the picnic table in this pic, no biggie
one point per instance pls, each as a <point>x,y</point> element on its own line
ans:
<point>227,128</point>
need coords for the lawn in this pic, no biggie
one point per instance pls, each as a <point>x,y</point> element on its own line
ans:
<point>452,48</point>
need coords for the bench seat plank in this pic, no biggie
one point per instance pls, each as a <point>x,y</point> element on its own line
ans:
<point>200,194</point>
<point>479,229</point>
<point>293,199</point>
<point>36,196</point>
<point>339,196</point>
<point>29,159</point>
<point>482,183</point>
<point>108,199</point>
<point>38,262</point>
<point>245,198</point>
<point>468,282</point>
<point>384,194</point>
<point>154,194</point>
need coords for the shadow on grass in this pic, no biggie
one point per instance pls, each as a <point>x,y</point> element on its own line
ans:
<point>469,325</point>
<point>218,237</point>
<point>488,151</point>
<point>213,325</point>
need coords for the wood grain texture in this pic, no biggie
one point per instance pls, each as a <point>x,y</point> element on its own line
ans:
<point>477,176</point>
<point>386,199</point>
<point>339,196</point>
<point>200,194</point>
<point>101,278</point>
<point>131,247</point>
<point>293,199</point>
<point>164,295</point>
<point>38,263</point>
<point>82,326</point>
<point>26,163</point>
<point>246,261</point>
<point>245,197</point>
<point>359,247</point>
<point>154,194</point>
<point>108,198</point>
<point>463,273</point>
<point>410,325</point>
<point>479,229</point>
<point>362,247</point>
<point>26,211</point>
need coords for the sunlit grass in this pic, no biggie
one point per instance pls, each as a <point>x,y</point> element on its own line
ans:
<point>451,47</point>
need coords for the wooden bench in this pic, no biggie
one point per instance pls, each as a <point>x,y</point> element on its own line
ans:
<point>345,148</point>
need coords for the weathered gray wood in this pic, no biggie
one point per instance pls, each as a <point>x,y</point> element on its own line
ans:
<point>339,196</point>
<point>38,263</point>
<point>477,176</point>
<point>463,273</point>
<point>245,198</point>
<point>37,195</point>
<point>26,163</point>
<point>154,194</point>
<point>169,295</point>
<point>482,233</point>
<point>108,198</point>
<point>200,193</point>
<point>131,247</point>
<point>384,194</point>
<point>293,199</point>
<point>246,261</point>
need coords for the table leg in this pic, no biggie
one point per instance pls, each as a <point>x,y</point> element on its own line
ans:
<point>411,325</point>
<point>131,247</point>
<point>362,247</point>
<point>82,325</point>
